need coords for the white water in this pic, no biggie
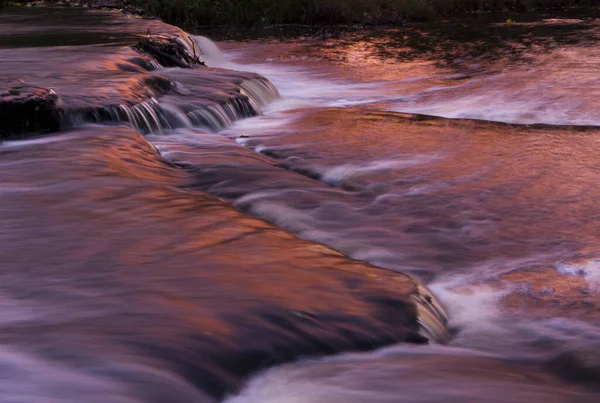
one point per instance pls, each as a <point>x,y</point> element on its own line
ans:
<point>510,94</point>
<point>513,96</point>
<point>491,357</point>
<point>298,86</point>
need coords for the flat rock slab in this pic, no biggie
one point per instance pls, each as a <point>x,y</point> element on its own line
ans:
<point>113,269</point>
<point>101,66</point>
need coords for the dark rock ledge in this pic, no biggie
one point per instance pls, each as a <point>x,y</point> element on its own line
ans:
<point>25,109</point>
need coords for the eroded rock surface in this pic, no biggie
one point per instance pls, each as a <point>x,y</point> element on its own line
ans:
<point>115,270</point>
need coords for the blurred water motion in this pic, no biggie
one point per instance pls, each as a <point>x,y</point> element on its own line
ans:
<point>200,235</point>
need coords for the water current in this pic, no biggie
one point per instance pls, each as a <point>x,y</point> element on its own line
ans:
<point>212,241</point>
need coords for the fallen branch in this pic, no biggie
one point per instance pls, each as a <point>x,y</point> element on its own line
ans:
<point>168,52</point>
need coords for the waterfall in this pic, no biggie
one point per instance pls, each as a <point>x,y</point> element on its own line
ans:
<point>175,105</point>
<point>211,54</point>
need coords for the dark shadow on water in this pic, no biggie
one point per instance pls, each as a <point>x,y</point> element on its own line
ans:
<point>484,38</point>
<point>42,27</point>
<point>510,37</point>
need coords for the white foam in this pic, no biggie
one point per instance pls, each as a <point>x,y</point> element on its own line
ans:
<point>299,87</point>
<point>402,374</point>
<point>553,91</point>
<point>40,140</point>
<point>376,255</point>
<point>210,52</point>
<point>590,271</point>
<point>474,309</point>
<point>556,88</point>
<point>278,213</point>
<point>335,175</point>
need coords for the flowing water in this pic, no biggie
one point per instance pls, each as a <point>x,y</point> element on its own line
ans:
<point>465,155</point>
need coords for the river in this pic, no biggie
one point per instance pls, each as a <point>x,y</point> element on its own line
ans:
<point>245,234</point>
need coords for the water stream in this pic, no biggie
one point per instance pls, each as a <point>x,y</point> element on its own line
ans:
<point>470,165</point>
<point>498,218</point>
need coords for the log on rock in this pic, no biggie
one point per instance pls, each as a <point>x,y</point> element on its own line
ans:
<point>28,110</point>
<point>168,52</point>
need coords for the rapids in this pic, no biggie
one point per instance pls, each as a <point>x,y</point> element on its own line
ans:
<point>496,213</point>
<point>210,234</point>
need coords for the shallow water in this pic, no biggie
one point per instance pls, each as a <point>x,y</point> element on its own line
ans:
<point>497,215</point>
<point>179,265</point>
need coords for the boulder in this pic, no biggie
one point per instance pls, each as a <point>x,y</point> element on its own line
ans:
<point>26,110</point>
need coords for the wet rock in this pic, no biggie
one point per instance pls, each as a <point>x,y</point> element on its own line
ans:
<point>120,84</point>
<point>222,297</point>
<point>26,110</point>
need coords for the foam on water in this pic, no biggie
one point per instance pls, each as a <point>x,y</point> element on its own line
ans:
<point>298,86</point>
<point>483,362</point>
<point>408,374</point>
<point>556,88</point>
<point>515,93</point>
<point>486,334</point>
<point>494,351</point>
<point>589,270</point>
<point>472,308</point>
<point>336,174</point>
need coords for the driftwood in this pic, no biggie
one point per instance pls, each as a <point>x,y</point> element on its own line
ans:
<point>169,52</point>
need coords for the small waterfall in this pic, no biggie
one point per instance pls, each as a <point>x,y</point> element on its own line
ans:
<point>211,99</point>
<point>171,106</point>
<point>255,94</point>
<point>210,52</point>
<point>216,117</point>
<point>154,116</point>
<point>259,93</point>
<point>146,117</point>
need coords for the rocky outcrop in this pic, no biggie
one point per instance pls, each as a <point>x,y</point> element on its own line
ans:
<point>25,109</point>
<point>115,83</point>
